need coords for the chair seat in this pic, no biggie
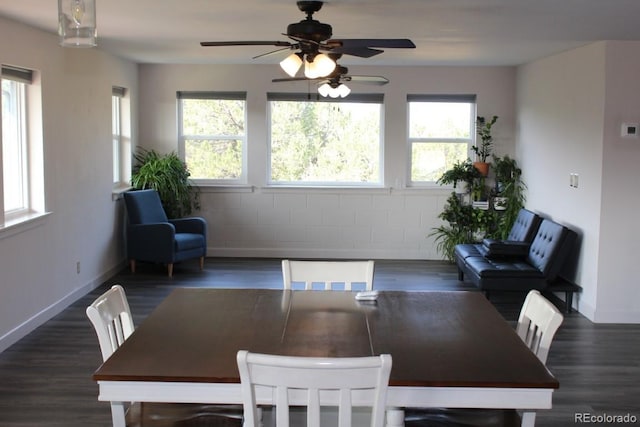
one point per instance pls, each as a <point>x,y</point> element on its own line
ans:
<point>444,417</point>
<point>183,415</point>
<point>186,241</point>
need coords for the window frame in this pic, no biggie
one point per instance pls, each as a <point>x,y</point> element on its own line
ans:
<point>462,98</point>
<point>374,98</point>
<point>31,147</point>
<point>214,95</point>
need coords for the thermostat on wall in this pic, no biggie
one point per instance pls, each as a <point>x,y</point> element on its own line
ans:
<point>629,130</point>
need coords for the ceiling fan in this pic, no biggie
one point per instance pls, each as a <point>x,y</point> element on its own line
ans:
<point>312,42</point>
<point>334,85</point>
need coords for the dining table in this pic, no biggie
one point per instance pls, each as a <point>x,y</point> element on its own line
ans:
<point>449,349</point>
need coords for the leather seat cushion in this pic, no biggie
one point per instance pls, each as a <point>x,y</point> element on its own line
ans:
<point>485,268</point>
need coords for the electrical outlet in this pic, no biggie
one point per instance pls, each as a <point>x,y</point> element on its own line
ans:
<point>78,267</point>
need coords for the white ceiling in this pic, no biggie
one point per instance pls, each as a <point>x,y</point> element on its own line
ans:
<point>446,32</point>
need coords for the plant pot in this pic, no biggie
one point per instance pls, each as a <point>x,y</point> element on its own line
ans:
<point>500,203</point>
<point>461,188</point>
<point>483,167</point>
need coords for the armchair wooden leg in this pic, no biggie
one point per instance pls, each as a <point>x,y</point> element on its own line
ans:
<point>132,265</point>
<point>170,269</point>
<point>201,263</point>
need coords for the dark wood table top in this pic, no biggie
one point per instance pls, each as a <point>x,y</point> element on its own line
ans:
<point>436,339</point>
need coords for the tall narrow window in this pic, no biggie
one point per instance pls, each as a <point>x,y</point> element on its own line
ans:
<point>121,146</point>
<point>441,132</point>
<point>212,136</point>
<point>328,143</point>
<point>15,164</point>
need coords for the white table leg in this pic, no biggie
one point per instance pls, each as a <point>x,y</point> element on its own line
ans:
<point>528,419</point>
<point>117,414</point>
<point>395,417</point>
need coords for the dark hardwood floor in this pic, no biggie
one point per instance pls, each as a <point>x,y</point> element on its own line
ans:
<point>45,378</point>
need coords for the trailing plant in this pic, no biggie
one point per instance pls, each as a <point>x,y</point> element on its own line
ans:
<point>169,175</point>
<point>483,128</point>
<point>512,188</point>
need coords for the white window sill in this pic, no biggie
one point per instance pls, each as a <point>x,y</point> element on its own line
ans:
<point>22,223</point>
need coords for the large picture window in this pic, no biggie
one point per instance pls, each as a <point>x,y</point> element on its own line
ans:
<point>325,143</point>
<point>212,136</point>
<point>441,132</point>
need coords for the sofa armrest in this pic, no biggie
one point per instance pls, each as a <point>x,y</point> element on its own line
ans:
<point>505,248</point>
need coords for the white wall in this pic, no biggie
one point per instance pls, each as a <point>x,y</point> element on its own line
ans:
<point>570,107</point>
<point>618,291</point>
<point>349,223</point>
<point>38,264</point>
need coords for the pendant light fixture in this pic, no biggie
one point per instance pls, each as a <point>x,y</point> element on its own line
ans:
<point>77,23</point>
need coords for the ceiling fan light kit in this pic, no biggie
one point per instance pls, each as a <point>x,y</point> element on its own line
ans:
<point>315,48</point>
<point>77,23</point>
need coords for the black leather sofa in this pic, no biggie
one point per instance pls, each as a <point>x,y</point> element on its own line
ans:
<point>502,270</point>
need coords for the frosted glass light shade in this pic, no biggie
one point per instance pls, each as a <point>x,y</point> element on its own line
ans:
<point>325,89</point>
<point>291,64</point>
<point>77,23</point>
<point>321,66</point>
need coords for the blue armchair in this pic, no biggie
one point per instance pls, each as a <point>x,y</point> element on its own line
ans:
<point>152,237</point>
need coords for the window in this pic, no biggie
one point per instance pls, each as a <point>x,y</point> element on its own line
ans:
<point>121,141</point>
<point>212,136</point>
<point>22,170</point>
<point>329,143</point>
<point>441,132</point>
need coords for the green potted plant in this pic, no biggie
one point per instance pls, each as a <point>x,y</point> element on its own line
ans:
<point>461,172</point>
<point>485,148</point>
<point>167,174</point>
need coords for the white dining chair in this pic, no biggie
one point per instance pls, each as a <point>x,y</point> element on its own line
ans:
<point>538,323</point>
<point>314,383</point>
<point>328,274</point>
<point>111,318</point>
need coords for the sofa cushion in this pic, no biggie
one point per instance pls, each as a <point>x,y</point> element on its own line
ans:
<point>186,241</point>
<point>548,248</point>
<point>525,226</point>
<point>487,268</point>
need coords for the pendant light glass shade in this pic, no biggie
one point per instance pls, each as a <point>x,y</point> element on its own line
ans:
<point>321,66</point>
<point>291,64</point>
<point>77,23</point>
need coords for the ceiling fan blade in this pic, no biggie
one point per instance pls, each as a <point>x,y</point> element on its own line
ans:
<point>247,43</point>
<point>374,80</point>
<point>360,51</point>
<point>385,43</point>
<point>294,79</point>
<point>272,52</point>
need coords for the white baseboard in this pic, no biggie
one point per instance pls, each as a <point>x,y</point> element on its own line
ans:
<point>38,319</point>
